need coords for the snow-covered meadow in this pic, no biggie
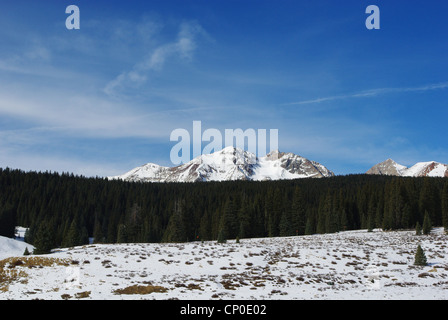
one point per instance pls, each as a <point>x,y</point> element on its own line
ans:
<point>347,265</point>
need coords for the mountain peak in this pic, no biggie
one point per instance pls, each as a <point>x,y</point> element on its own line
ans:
<point>231,149</point>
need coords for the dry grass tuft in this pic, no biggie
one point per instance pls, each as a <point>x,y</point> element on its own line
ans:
<point>136,289</point>
<point>82,295</point>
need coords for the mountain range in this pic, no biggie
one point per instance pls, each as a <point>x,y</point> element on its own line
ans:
<point>420,169</point>
<point>235,164</point>
<point>231,164</point>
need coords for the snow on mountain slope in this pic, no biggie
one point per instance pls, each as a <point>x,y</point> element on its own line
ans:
<point>231,164</point>
<point>420,169</point>
<point>388,167</point>
<point>427,169</point>
<point>12,248</point>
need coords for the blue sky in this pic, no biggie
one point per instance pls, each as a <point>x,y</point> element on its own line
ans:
<point>104,99</point>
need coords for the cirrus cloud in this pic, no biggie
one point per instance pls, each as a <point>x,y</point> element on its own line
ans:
<point>183,47</point>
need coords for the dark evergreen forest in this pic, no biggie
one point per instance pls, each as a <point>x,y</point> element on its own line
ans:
<point>65,210</point>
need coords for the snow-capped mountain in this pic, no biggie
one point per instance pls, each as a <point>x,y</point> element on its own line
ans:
<point>421,169</point>
<point>231,164</point>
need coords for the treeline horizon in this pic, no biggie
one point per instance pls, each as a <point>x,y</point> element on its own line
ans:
<point>64,210</point>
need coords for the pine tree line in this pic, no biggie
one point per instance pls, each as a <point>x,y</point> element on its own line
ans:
<point>66,210</point>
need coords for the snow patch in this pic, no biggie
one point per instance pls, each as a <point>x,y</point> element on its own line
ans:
<point>13,248</point>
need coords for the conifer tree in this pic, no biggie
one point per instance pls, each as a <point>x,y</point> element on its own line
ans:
<point>430,201</point>
<point>387,222</point>
<point>406,217</point>
<point>420,257</point>
<point>122,233</point>
<point>29,235</point>
<point>73,237</point>
<point>134,223</point>
<point>344,221</point>
<point>285,227</point>
<point>84,236</point>
<point>298,212</point>
<point>205,227</point>
<point>98,236</point>
<point>229,221</point>
<point>244,217</point>
<point>111,231</point>
<point>329,215</point>
<point>43,239</point>
<point>310,224</point>
<point>418,229</point>
<point>323,214</point>
<point>370,223</point>
<point>426,228</point>
<point>268,214</point>
<point>26,252</point>
<point>7,221</point>
<point>333,218</point>
<point>445,207</point>
<point>221,236</point>
<point>371,212</point>
<point>175,230</point>
<point>379,210</point>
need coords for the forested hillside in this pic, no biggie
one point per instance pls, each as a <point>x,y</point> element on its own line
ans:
<point>65,210</point>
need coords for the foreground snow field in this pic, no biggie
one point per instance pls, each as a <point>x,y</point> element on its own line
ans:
<point>347,265</point>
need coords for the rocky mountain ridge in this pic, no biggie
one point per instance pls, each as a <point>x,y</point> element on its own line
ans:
<point>420,169</point>
<point>231,164</point>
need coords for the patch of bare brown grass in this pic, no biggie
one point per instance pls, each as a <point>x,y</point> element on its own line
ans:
<point>82,295</point>
<point>138,289</point>
<point>11,269</point>
<point>33,262</point>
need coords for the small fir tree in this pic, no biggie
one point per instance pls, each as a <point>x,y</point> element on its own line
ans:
<point>221,237</point>
<point>420,257</point>
<point>26,252</point>
<point>426,224</point>
<point>418,229</point>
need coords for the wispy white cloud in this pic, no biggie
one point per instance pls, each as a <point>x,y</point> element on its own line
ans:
<point>371,93</point>
<point>28,60</point>
<point>66,113</point>
<point>183,47</point>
